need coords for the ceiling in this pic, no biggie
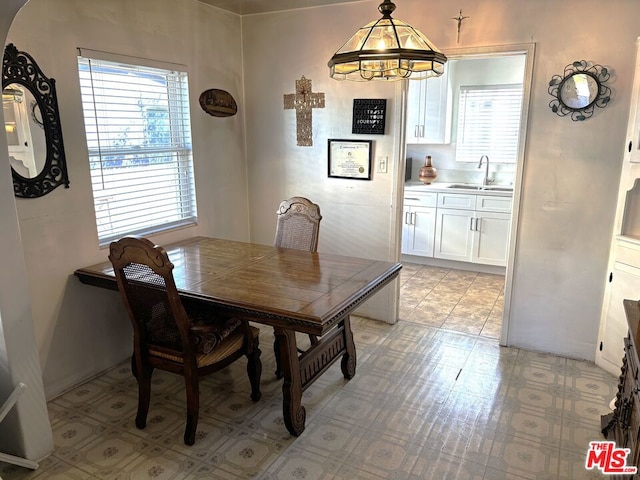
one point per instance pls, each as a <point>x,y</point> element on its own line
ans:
<point>245,7</point>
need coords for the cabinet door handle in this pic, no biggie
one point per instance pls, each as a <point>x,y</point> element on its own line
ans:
<point>413,218</point>
<point>416,131</point>
<point>422,130</point>
<point>477,227</point>
<point>406,218</point>
<point>416,199</point>
<point>471,223</point>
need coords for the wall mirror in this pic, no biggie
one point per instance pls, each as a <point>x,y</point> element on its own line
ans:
<point>579,90</point>
<point>32,126</point>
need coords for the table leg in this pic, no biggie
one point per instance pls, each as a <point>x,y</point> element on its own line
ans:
<point>292,410</point>
<point>349,358</point>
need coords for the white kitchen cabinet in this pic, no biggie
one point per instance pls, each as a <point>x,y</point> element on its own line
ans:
<point>474,228</point>
<point>624,280</point>
<point>623,283</point>
<point>454,234</point>
<point>418,231</point>
<point>429,111</point>
<point>418,227</point>
<point>491,238</point>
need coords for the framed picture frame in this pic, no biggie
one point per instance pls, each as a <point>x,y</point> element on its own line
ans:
<point>369,116</point>
<point>350,159</point>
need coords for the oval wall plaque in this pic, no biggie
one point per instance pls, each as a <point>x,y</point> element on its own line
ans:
<point>218,103</point>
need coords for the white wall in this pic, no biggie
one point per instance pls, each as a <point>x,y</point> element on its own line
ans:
<point>571,171</point>
<point>81,330</point>
<point>357,215</point>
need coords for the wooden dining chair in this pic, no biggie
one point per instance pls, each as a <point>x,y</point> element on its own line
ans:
<point>298,224</point>
<point>298,227</point>
<point>185,337</point>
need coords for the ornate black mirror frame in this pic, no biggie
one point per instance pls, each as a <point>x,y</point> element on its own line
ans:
<point>21,68</point>
<point>595,74</point>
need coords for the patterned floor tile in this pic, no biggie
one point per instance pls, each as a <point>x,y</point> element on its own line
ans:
<point>492,329</point>
<point>433,463</point>
<point>576,435</point>
<point>303,466</point>
<point>524,458</point>
<point>326,438</point>
<point>464,324</point>
<point>426,403</point>
<point>572,466</point>
<point>384,456</point>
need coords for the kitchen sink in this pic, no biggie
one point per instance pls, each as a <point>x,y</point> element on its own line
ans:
<point>498,189</point>
<point>489,188</point>
<point>465,186</point>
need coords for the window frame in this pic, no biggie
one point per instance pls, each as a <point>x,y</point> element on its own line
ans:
<point>154,166</point>
<point>508,150</point>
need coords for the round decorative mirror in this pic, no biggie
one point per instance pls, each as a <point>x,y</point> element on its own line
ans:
<point>32,126</point>
<point>580,90</point>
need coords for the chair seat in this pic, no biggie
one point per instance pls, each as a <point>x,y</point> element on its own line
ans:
<point>207,336</point>
<point>224,349</point>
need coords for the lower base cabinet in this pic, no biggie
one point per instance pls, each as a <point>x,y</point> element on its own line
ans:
<point>418,231</point>
<point>454,234</point>
<point>469,236</point>
<point>457,226</point>
<point>491,240</point>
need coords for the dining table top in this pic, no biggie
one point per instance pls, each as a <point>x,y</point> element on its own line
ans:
<point>309,292</point>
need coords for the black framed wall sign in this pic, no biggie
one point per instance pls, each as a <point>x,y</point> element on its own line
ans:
<point>350,159</point>
<point>369,115</point>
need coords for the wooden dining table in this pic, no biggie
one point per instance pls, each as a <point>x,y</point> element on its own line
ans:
<point>290,290</point>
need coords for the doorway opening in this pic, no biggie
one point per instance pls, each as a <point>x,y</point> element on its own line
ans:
<point>461,256</point>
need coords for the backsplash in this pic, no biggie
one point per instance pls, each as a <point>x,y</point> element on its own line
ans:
<point>450,171</point>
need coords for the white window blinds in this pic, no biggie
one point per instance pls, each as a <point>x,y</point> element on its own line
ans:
<point>139,140</point>
<point>489,123</point>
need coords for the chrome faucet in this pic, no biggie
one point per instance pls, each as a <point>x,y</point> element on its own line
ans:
<point>486,180</point>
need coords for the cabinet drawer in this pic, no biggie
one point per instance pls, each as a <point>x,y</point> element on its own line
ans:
<point>488,203</point>
<point>420,199</point>
<point>457,200</point>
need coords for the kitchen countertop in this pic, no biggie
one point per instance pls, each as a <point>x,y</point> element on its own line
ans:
<point>476,189</point>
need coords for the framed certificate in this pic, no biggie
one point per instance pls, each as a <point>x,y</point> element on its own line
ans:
<point>350,159</point>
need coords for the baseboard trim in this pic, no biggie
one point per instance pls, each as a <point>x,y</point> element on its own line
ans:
<point>439,262</point>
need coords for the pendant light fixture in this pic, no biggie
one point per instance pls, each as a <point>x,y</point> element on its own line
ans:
<point>387,49</point>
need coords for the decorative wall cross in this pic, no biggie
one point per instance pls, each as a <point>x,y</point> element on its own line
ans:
<point>459,19</point>
<point>304,101</point>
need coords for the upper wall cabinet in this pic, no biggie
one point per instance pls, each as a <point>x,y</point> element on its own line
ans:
<point>429,111</point>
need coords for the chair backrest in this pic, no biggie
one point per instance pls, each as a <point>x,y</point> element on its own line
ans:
<point>145,280</point>
<point>298,224</point>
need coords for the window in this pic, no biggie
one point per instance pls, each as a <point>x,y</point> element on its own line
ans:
<point>489,123</point>
<point>139,140</point>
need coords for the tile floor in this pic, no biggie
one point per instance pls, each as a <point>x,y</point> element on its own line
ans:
<point>426,403</point>
<point>459,300</point>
